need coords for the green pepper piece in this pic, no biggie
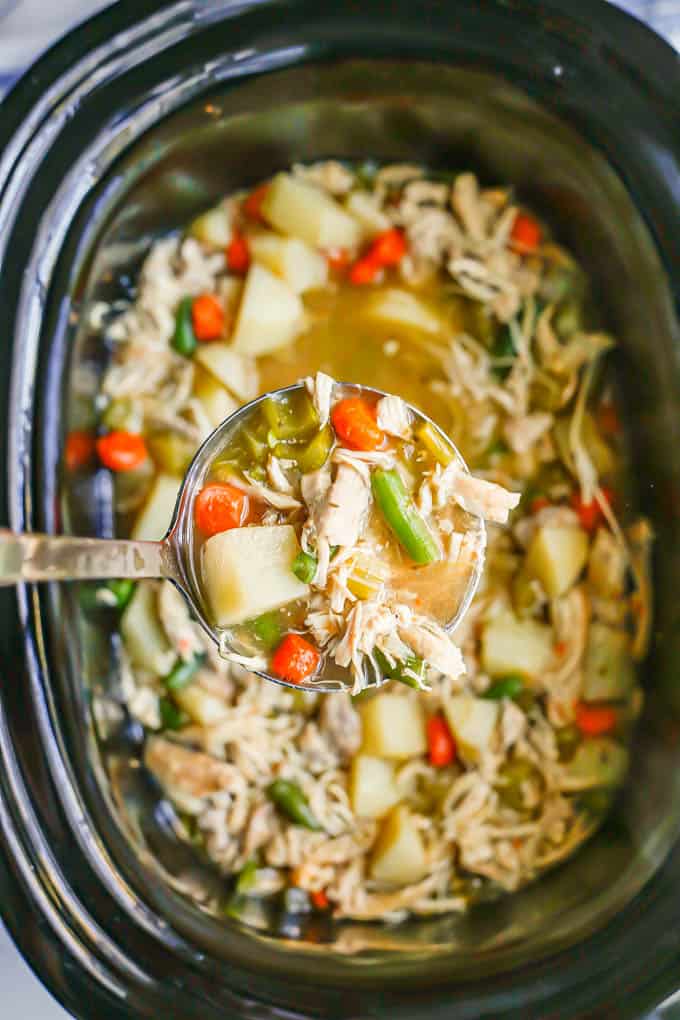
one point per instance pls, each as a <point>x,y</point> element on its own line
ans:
<point>184,340</point>
<point>398,671</point>
<point>89,597</point>
<point>512,775</point>
<point>123,589</point>
<point>172,717</point>
<point>403,517</point>
<point>182,673</point>
<point>508,687</point>
<point>289,798</point>
<point>290,417</point>
<point>315,454</point>
<point>435,444</point>
<point>246,877</point>
<point>267,629</point>
<point>304,567</point>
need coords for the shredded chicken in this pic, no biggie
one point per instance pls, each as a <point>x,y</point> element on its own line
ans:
<point>393,417</point>
<point>475,495</point>
<point>342,518</point>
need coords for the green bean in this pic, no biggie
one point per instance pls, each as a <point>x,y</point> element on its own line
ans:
<point>403,517</point>
<point>182,673</point>
<point>172,717</point>
<point>289,798</point>
<point>398,671</point>
<point>184,340</point>
<point>246,877</point>
<point>267,629</point>
<point>508,687</point>
<point>435,444</point>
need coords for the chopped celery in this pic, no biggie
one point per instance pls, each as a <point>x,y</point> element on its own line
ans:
<point>267,629</point>
<point>290,417</point>
<point>289,798</point>
<point>435,444</point>
<point>315,454</point>
<point>403,517</point>
<point>182,673</point>
<point>184,340</point>
<point>366,580</point>
<point>304,567</point>
<point>512,776</point>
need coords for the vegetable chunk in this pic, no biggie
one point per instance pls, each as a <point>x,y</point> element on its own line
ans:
<point>248,571</point>
<point>399,855</point>
<point>608,673</point>
<point>298,208</point>
<point>393,727</point>
<point>510,645</point>
<point>156,515</point>
<point>472,721</point>
<point>269,316</point>
<point>295,262</point>
<point>372,789</point>
<point>556,557</point>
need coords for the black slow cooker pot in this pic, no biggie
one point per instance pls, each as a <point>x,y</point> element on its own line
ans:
<point>124,130</point>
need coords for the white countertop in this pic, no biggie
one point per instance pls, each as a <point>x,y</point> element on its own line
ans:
<point>28,28</point>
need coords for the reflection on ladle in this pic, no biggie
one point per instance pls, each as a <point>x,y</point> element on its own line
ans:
<point>439,588</point>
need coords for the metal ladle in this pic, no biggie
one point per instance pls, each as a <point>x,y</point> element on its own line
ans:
<point>34,557</point>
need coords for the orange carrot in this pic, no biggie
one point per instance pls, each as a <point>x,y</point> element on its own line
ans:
<point>78,450</point>
<point>440,741</point>
<point>252,205</point>
<point>589,514</point>
<point>365,270</point>
<point>337,259</point>
<point>238,254</point>
<point>319,899</point>
<point>526,234</point>
<point>207,317</point>
<point>355,425</point>
<point>295,659</point>
<point>388,248</point>
<point>594,720</point>
<point>122,451</point>
<point>220,507</point>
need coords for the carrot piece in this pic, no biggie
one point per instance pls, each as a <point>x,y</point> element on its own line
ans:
<point>78,450</point>
<point>355,425</point>
<point>589,514</point>
<point>238,254</point>
<point>539,503</point>
<point>388,248</point>
<point>220,507</point>
<point>122,451</point>
<point>526,234</point>
<point>594,720</point>
<point>365,270</point>
<point>440,742</point>
<point>319,899</point>
<point>337,259</point>
<point>252,205</point>
<point>295,659</point>
<point>207,317</point>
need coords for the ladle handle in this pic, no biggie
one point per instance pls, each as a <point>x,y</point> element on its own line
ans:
<point>34,557</point>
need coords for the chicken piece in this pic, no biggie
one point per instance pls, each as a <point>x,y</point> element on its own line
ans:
<point>393,417</point>
<point>330,175</point>
<point>279,500</point>
<point>342,519</point>
<point>320,389</point>
<point>340,721</point>
<point>183,634</point>
<point>189,772</point>
<point>277,477</point>
<point>315,486</point>
<point>474,495</point>
<point>262,826</point>
<point>521,433</point>
<point>431,643</point>
<point>469,207</point>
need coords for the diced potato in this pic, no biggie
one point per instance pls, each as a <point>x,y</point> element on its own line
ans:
<point>297,208</point>
<point>510,645</point>
<point>248,571</point>
<point>372,789</point>
<point>144,637</point>
<point>598,761</point>
<point>156,515</point>
<point>399,854</point>
<point>393,726</point>
<point>203,707</point>
<point>556,557</point>
<point>295,262</point>
<point>401,308</point>
<point>365,209</point>
<point>608,671</point>
<point>213,227</point>
<point>472,721</point>
<point>215,400</point>
<point>231,368</point>
<point>270,314</point>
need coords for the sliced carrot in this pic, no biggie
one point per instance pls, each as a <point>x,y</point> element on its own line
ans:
<point>388,248</point>
<point>594,720</point>
<point>238,254</point>
<point>365,270</point>
<point>207,317</point>
<point>337,259</point>
<point>319,899</point>
<point>219,507</point>
<point>589,514</point>
<point>440,741</point>
<point>252,205</point>
<point>355,425</point>
<point>295,659</point>
<point>539,503</point>
<point>526,233</point>
<point>122,451</point>
<point>78,450</point>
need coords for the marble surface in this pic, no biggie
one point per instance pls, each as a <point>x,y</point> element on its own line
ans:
<point>27,27</point>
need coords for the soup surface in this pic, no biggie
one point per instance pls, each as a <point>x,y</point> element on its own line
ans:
<point>452,296</point>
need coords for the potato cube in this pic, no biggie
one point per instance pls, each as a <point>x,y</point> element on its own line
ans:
<point>510,645</point>
<point>608,671</point>
<point>297,208</point>
<point>401,308</point>
<point>399,854</point>
<point>213,227</point>
<point>155,517</point>
<point>248,571</point>
<point>598,761</point>
<point>270,314</point>
<point>556,557</point>
<point>215,400</point>
<point>145,640</point>
<point>368,213</point>
<point>203,707</point>
<point>393,727</point>
<point>295,262</point>
<point>473,722</point>
<point>372,789</point>
<point>230,368</point>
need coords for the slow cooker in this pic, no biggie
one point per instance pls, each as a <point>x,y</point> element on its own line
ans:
<point>123,131</point>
